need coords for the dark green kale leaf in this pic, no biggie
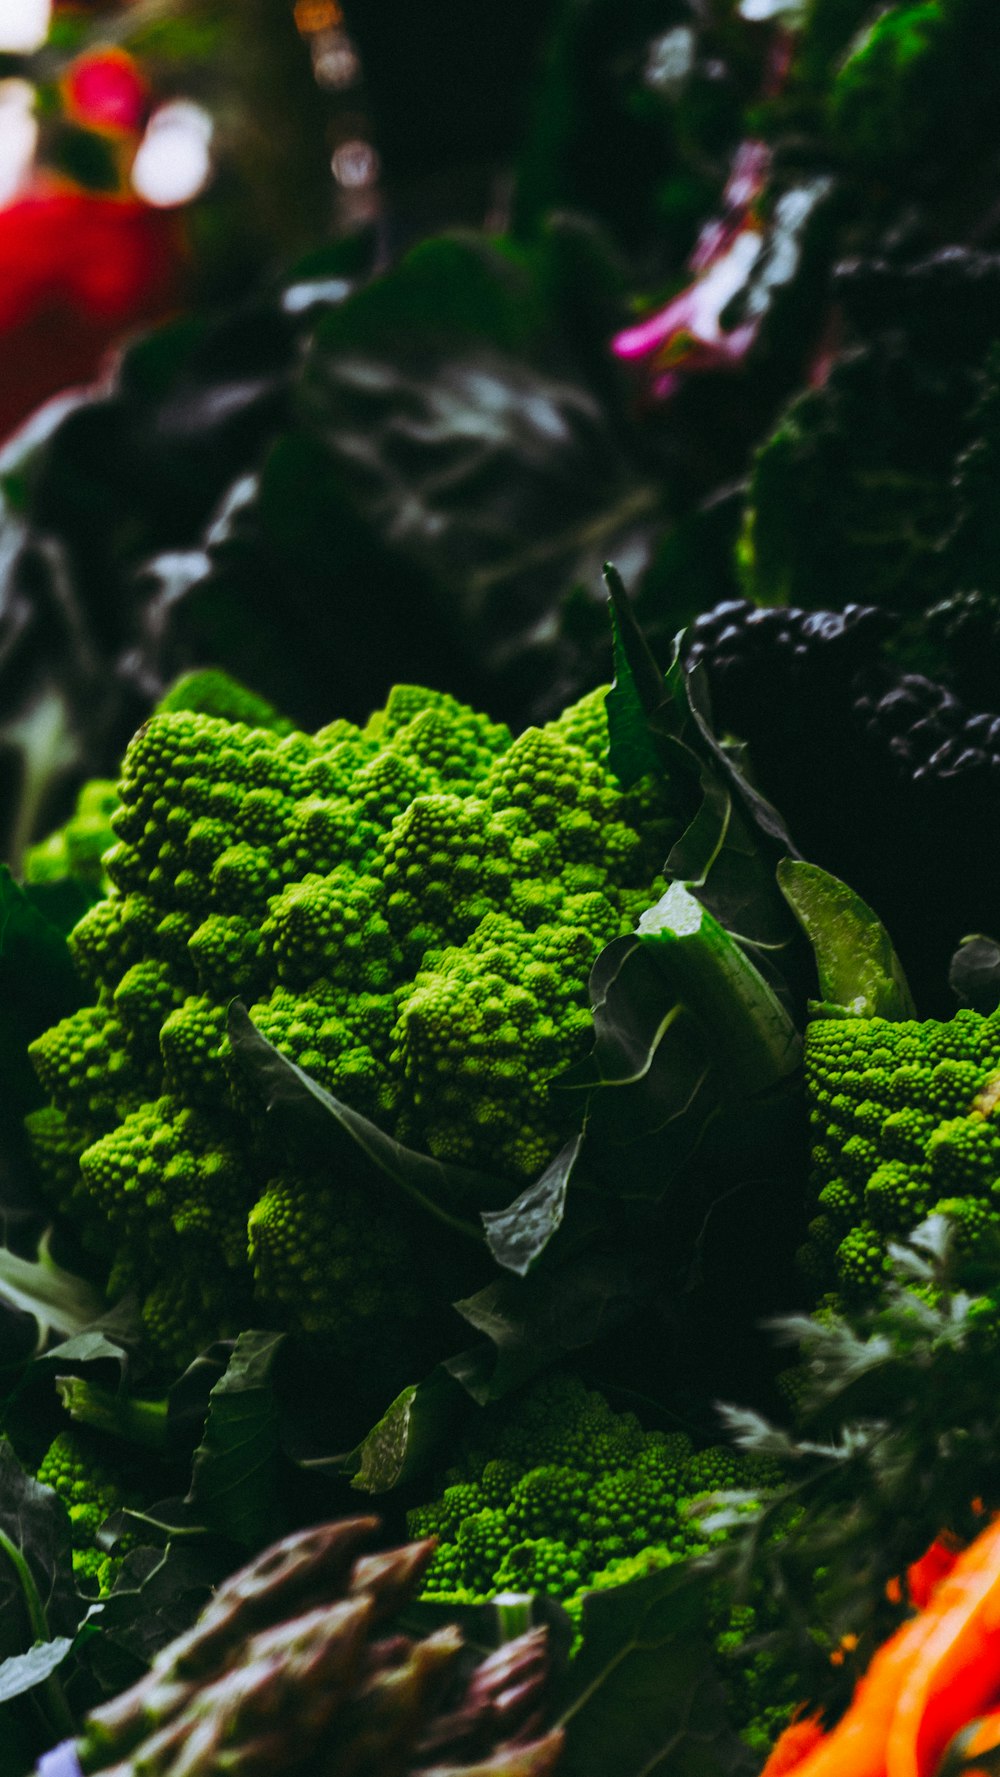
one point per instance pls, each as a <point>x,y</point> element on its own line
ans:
<point>643,1696</point>
<point>39,1607</point>
<point>235,1473</point>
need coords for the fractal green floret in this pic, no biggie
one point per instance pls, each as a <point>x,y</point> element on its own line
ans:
<point>559,1494</point>
<point>905,1124</point>
<point>89,1480</point>
<point>410,911</point>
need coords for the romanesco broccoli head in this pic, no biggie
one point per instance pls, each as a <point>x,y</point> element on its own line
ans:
<point>557,1493</point>
<point>905,1124</point>
<point>411,911</point>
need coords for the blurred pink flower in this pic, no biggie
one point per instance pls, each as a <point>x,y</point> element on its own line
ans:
<point>689,333</point>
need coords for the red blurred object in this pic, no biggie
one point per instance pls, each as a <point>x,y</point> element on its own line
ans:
<point>800,1738</point>
<point>924,1576</point>
<point>106,91</point>
<point>76,270</point>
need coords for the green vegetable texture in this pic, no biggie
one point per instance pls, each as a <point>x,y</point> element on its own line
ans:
<point>904,1119</point>
<point>411,911</point>
<point>87,1480</point>
<point>559,1494</point>
<point>76,848</point>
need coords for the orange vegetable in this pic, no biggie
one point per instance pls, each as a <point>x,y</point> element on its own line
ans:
<point>856,1746</point>
<point>934,1676</point>
<point>791,1746</point>
<point>924,1576</point>
<point>956,1670</point>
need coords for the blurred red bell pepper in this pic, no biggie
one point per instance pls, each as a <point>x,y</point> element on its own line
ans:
<point>76,270</point>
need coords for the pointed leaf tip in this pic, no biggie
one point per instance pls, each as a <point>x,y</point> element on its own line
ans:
<point>860,975</point>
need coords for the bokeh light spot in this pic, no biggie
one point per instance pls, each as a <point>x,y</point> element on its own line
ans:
<point>18,135</point>
<point>24,25</point>
<point>106,91</point>
<point>174,160</point>
<point>355,165</point>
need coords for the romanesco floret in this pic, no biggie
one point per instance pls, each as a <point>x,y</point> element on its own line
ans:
<point>171,1184</point>
<point>411,911</point>
<point>904,1121</point>
<point>58,1141</point>
<point>78,1469</point>
<point>85,1062</point>
<point>336,1259</point>
<point>192,1044</point>
<point>76,849</point>
<point>214,693</point>
<point>558,1493</point>
<point>317,1035</point>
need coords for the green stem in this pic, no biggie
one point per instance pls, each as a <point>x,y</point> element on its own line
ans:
<point>514,1612</point>
<point>60,1713</point>
<point>139,1422</point>
<point>755,1043</point>
<point>35,1608</point>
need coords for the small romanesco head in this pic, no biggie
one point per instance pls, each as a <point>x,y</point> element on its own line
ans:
<point>905,1124</point>
<point>77,849</point>
<point>555,1492</point>
<point>86,1479</point>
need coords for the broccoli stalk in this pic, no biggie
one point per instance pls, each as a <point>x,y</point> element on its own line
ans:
<point>139,1422</point>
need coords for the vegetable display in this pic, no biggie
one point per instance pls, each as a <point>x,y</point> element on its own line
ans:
<point>499,952</point>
